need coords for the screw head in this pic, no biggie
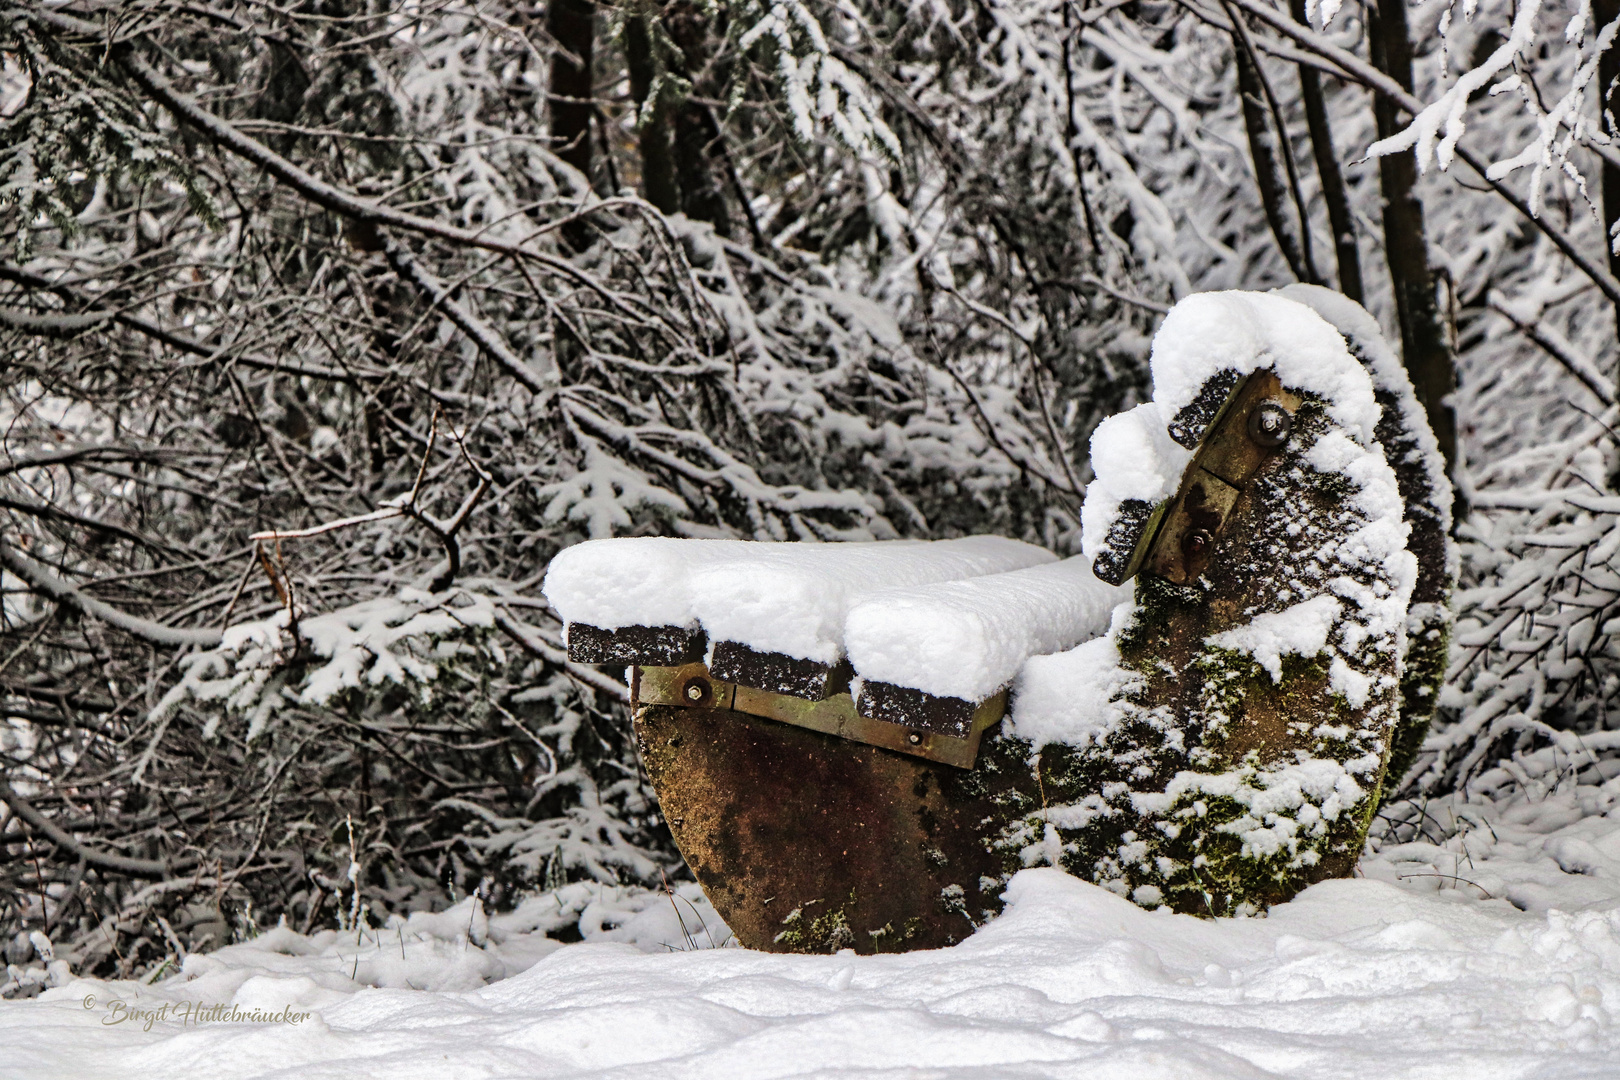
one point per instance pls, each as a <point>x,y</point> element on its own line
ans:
<point>913,738</point>
<point>696,690</point>
<point>1269,424</point>
<point>1196,542</point>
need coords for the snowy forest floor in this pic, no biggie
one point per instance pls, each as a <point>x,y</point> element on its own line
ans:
<point>1486,946</point>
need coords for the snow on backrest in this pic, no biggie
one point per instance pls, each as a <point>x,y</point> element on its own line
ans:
<point>1132,454</point>
<point>1244,332</point>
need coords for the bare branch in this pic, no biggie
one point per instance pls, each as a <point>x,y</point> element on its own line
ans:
<point>60,591</point>
<point>41,824</point>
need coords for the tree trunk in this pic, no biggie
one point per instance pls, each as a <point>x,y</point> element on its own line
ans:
<point>1327,168</point>
<point>572,23</point>
<point>1424,348</point>
<point>701,196</point>
<point>1604,12</point>
<point>657,163</point>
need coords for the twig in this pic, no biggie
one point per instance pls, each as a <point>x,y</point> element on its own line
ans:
<point>247,574</point>
<point>1590,379</point>
<point>486,337</point>
<point>989,428</point>
<point>44,624</point>
<point>1451,877</point>
<point>382,514</point>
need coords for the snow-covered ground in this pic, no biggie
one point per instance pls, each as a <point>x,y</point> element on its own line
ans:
<point>1488,949</point>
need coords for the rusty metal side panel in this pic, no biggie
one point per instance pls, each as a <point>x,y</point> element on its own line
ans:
<point>809,843</point>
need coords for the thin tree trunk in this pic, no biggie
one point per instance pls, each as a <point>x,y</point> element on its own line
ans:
<point>657,163</point>
<point>1267,170</point>
<point>722,153</point>
<point>1285,149</point>
<point>701,195</point>
<point>1424,347</point>
<point>1071,131</point>
<point>572,23</point>
<point>1334,192</point>
<point>1604,12</point>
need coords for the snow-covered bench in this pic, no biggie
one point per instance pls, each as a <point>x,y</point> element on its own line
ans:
<point>1212,735</point>
<point>903,644</point>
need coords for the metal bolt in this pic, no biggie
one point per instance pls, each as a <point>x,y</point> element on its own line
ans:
<point>1269,424</point>
<point>1195,542</point>
<point>697,690</point>
<point>913,738</point>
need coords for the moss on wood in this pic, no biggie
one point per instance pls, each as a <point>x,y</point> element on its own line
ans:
<point>1219,788</point>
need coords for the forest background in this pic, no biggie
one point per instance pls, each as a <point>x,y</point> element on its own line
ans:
<point>324,324</point>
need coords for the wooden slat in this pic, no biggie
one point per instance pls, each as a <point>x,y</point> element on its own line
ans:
<point>778,673</point>
<point>663,646</point>
<point>951,716</point>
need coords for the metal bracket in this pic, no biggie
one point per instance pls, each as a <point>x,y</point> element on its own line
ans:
<point>909,707</point>
<point>693,686</point>
<point>1239,434</point>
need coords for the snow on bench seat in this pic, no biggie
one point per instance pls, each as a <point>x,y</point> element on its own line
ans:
<point>773,612</point>
<point>777,620</point>
<point>964,641</point>
<point>628,600</point>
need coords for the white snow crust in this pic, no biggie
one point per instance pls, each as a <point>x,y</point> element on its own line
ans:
<point>1069,697</point>
<point>1301,630</point>
<point>967,639</point>
<point>1133,457</point>
<point>775,597</point>
<point>1212,332</point>
<point>1487,949</point>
